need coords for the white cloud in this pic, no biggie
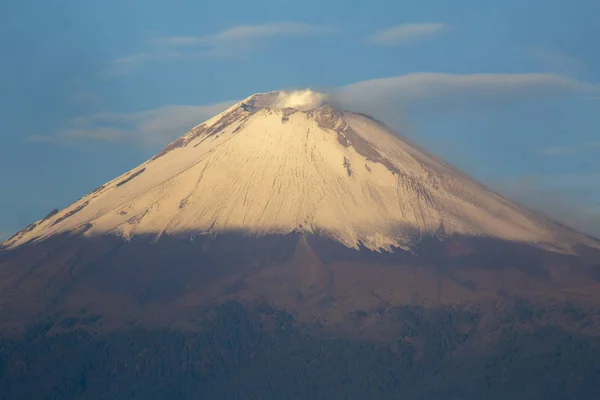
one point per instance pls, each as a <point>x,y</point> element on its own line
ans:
<point>401,34</point>
<point>148,128</point>
<point>454,91</point>
<point>248,33</point>
<point>300,99</point>
<point>423,85</point>
<point>232,42</point>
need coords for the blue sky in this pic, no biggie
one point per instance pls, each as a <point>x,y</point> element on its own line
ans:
<point>508,91</point>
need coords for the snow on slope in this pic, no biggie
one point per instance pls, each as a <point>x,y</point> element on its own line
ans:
<point>259,168</point>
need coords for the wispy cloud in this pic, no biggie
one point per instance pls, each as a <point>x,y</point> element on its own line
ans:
<point>147,128</point>
<point>423,85</point>
<point>455,91</point>
<point>569,150</point>
<point>555,60</point>
<point>233,42</point>
<point>248,33</point>
<point>401,34</point>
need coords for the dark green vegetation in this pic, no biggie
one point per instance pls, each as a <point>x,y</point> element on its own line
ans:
<point>240,352</point>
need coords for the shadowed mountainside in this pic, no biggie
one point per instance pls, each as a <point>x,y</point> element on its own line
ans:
<point>240,317</point>
<point>159,281</point>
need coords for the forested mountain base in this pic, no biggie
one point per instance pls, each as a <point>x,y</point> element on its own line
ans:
<point>239,352</point>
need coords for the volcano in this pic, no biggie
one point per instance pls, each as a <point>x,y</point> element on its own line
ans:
<point>288,249</point>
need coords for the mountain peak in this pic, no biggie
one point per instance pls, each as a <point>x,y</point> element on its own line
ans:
<point>287,161</point>
<point>301,100</point>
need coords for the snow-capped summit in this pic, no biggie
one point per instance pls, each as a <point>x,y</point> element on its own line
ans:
<point>285,162</point>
